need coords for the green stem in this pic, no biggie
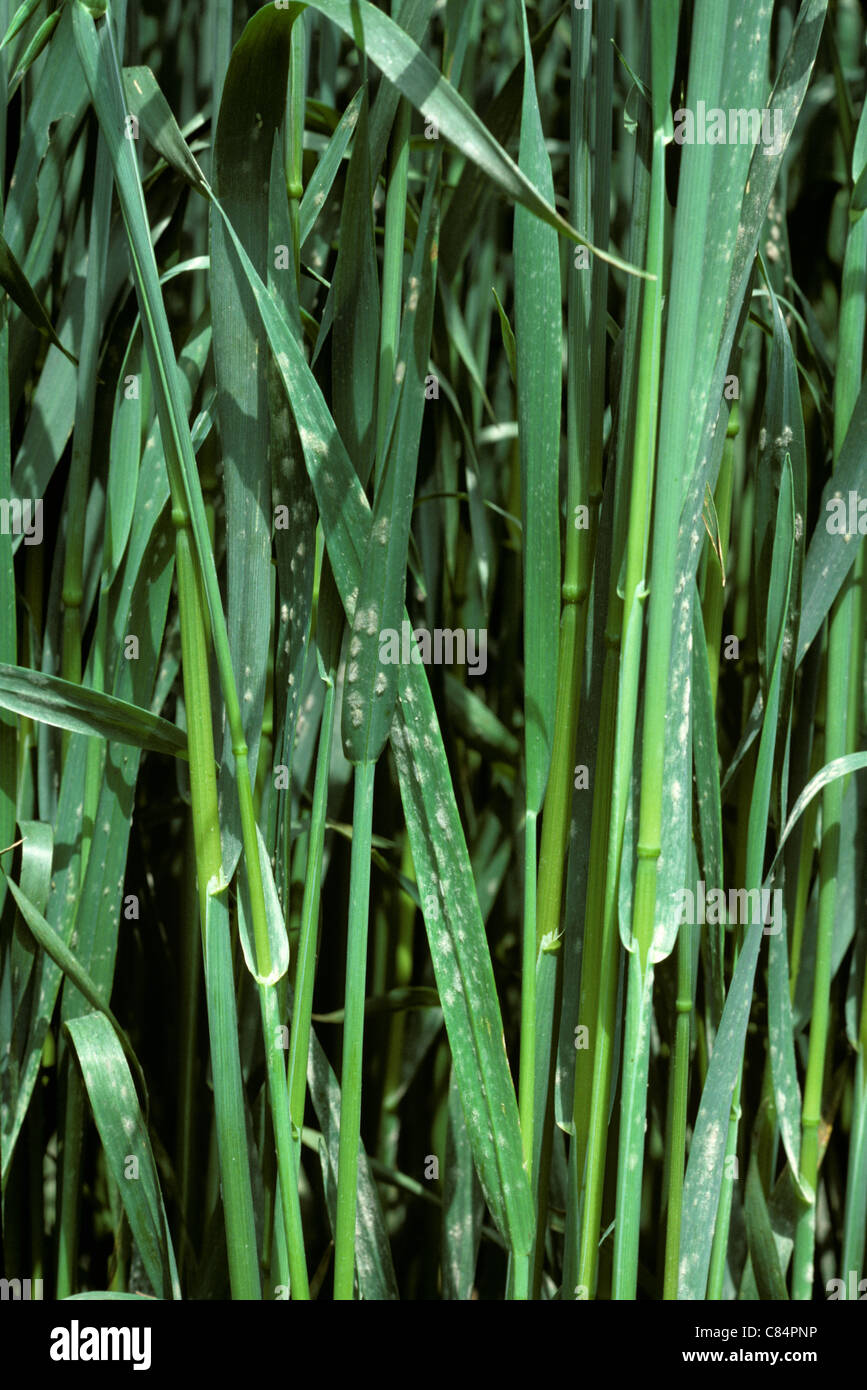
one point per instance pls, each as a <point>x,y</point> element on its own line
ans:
<point>287,1154</point>
<point>353,1033</point>
<point>222,1018</point>
<point>305,973</point>
<point>706,67</point>
<point>677,1138</point>
<point>190,984</point>
<point>842,672</point>
<point>389,1128</point>
<point>640,974</point>
<point>527,1063</point>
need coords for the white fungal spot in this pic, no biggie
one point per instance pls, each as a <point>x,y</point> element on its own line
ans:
<point>367,620</point>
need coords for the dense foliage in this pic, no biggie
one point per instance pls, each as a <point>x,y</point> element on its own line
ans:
<point>433,463</point>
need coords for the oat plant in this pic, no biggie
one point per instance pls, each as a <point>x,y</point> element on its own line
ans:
<point>432,622</point>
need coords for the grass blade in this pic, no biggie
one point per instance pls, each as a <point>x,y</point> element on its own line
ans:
<point>127,1148</point>
<point>66,705</point>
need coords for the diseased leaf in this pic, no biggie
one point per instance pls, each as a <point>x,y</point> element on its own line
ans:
<point>70,706</point>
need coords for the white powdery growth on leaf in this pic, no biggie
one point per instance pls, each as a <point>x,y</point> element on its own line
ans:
<point>313,443</point>
<point>356,708</point>
<point>367,620</point>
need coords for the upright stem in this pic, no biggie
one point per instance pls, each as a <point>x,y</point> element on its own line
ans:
<point>299,1040</point>
<point>639,974</point>
<point>526,1078</point>
<point>237,1186</point>
<point>353,1033</point>
<point>578,561</point>
<point>677,1135</point>
<point>287,1153</point>
<point>843,669</point>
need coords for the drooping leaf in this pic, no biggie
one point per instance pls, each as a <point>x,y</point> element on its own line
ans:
<point>69,706</point>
